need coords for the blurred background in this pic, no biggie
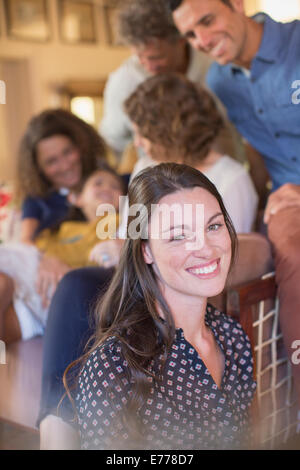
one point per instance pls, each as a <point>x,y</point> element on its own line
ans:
<point>59,53</point>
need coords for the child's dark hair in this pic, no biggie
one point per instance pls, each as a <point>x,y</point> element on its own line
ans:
<point>75,213</point>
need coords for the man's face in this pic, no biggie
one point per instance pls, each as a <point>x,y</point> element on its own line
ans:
<point>159,55</point>
<point>214,28</point>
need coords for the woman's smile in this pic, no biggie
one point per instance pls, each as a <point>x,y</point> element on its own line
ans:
<point>207,270</point>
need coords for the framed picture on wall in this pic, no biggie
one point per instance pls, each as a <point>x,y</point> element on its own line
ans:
<point>77,21</point>
<point>27,19</point>
<point>110,12</point>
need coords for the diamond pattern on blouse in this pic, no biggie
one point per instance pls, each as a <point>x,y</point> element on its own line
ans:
<point>186,410</point>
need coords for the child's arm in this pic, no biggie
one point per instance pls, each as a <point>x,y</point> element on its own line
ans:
<point>107,253</point>
<point>28,230</point>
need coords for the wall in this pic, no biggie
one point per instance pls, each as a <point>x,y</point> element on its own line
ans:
<point>34,70</point>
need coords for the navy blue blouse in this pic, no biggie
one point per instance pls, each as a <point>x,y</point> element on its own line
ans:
<point>186,410</point>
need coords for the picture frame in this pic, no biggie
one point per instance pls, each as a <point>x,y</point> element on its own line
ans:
<point>77,21</point>
<point>27,19</point>
<point>110,10</point>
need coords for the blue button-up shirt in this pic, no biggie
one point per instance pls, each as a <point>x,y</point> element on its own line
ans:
<point>264,104</point>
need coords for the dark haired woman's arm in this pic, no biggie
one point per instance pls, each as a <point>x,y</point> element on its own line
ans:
<point>103,393</point>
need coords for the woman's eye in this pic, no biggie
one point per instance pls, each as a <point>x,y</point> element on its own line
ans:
<point>208,20</point>
<point>180,236</point>
<point>214,227</point>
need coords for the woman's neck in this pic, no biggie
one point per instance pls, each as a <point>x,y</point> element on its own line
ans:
<point>188,313</point>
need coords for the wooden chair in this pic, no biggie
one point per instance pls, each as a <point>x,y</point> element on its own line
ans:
<point>255,305</point>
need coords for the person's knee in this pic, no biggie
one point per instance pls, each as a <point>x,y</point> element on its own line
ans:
<point>84,276</point>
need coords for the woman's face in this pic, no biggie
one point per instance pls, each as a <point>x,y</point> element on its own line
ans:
<point>187,265</point>
<point>59,161</point>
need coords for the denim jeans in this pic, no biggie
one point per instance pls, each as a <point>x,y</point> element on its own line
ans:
<point>70,325</point>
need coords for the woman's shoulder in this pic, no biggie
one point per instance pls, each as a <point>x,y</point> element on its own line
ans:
<point>227,172</point>
<point>105,359</point>
<point>221,320</point>
<point>232,165</point>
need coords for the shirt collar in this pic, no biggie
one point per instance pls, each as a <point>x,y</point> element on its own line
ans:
<point>270,44</point>
<point>271,40</point>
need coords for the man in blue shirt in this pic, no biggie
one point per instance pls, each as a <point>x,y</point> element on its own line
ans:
<point>257,76</point>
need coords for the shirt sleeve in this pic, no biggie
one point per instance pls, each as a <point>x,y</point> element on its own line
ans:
<point>31,209</point>
<point>115,126</point>
<point>103,392</point>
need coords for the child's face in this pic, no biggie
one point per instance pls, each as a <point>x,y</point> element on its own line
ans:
<point>101,188</point>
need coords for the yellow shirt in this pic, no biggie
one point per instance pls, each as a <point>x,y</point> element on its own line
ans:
<point>74,240</point>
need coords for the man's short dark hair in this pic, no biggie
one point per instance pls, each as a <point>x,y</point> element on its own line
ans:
<point>140,21</point>
<point>174,4</point>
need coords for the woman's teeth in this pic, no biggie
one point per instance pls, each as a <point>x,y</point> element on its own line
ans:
<point>207,270</point>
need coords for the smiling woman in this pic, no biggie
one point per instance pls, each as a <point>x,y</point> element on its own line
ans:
<point>57,151</point>
<point>167,370</point>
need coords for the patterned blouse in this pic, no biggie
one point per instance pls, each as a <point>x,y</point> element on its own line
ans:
<point>186,410</point>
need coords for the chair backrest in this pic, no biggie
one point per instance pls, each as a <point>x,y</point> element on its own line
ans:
<point>255,305</point>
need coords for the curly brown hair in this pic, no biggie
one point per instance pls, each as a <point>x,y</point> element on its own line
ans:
<point>141,21</point>
<point>30,180</point>
<point>180,119</point>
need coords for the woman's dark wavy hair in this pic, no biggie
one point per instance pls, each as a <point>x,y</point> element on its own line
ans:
<point>128,311</point>
<point>180,119</point>
<point>30,180</point>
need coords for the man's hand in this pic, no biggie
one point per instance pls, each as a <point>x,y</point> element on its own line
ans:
<point>107,253</point>
<point>51,270</point>
<point>286,196</point>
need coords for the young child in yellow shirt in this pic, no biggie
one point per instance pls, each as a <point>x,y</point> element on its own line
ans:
<point>70,243</point>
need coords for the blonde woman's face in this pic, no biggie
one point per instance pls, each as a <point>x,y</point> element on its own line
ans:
<point>59,161</point>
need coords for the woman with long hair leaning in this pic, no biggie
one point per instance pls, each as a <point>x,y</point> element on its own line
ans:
<point>166,370</point>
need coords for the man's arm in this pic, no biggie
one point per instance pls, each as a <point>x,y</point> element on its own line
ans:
<point>115,126</point>
<point>258,173</point>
